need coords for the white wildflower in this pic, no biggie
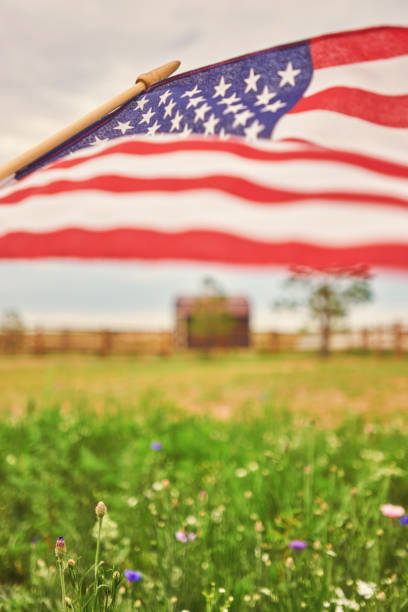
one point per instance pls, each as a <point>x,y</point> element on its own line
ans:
<point>366,589</point>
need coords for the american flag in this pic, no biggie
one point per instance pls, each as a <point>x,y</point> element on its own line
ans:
<point>292,155</point>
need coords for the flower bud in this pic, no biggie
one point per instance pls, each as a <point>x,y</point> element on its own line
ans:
<point>60,548</point>
<point>71,563</point>
<point>100,509</point>
<point>68,602</point>
<point>116,575</point>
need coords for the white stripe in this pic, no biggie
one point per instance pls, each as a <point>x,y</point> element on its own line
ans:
<point>337,131</point>
<point>387,77</point>
<point>302,175</point>
<point>323,223</point>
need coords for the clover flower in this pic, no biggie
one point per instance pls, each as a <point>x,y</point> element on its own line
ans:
<point>183,536</point>
<point>60,548</point>
<point>298,544</point>
<point>100,509</point>
<point>132,576</point>
<point>156,446</point>
<point>392,511</point>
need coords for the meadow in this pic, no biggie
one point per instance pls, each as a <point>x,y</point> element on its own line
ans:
<point>239,482</point>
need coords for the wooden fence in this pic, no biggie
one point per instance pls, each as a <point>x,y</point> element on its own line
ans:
<point>106,342</point>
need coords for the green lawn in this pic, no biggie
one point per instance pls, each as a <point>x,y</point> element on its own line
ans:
<point>239,490</point>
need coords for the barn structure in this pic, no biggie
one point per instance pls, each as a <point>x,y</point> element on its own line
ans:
<point>214,321</point>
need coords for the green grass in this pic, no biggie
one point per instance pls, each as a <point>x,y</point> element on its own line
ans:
<point>374,386</point>
<point>244,486</point>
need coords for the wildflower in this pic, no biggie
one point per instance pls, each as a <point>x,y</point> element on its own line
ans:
<point>241,473</point>
<point>132,576</point>
<point>100,509</point>
<point>60,548</point>
<point>202,494</point>
<point>392,511</point>
<point>183,536</point>
<point>156,446</point>
<point>404,519</point>
<point>366,589</point>
<point>297,544</point>
<point>71,563</point>
<point>116,575</point>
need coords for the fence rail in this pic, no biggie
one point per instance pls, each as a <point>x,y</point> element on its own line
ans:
<point>107,342</point>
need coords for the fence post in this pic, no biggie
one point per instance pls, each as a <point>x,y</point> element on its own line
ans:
<point>397,339</point>
<point>365,343</point>
<point>106,343</point>
<point>39,344</point>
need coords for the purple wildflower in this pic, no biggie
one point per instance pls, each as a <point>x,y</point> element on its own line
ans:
<point>404,520</point>
<point>132,576</point>
<point>298,544</point>
<point>181,536</point>
<point>156,446</point>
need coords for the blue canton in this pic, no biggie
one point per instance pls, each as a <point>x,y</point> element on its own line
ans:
<point>244,97</point>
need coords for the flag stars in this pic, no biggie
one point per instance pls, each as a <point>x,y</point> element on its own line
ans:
<point>252,132</point>
<point>141,103</point>
<point>175,122</point>
<point>164,96</point>
<point>147,116</point>
<point>186,131</point>
<point>288,75</point>
<point>209,125</point>
<point>124,127</point>
<point>191,92</point>
<point>221,88</point>
<point>231,100</point>
<point>242,118</point>
<point>251,81</point>
<point>265,96</point>
<point>194,101</point>
<point>169,108</point>
<point>273,108</point>
<point>201,111</point>
<point>153,128</point>
<point>98,141</point>
<point>233,108</point>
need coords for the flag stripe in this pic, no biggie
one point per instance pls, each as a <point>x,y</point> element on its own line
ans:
<point>337,131</point>
<point>231,185</point>
<point>390,111</point>
<point>193,246</point>
<point>380,76</point>
<point>279,151</point>
<point>317,222</point>
<point>329,176</point>
<point>358,46</point>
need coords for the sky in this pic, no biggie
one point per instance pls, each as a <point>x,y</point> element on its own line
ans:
<point>64,59</point>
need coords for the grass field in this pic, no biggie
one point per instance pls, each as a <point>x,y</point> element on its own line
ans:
<point>264,493</point>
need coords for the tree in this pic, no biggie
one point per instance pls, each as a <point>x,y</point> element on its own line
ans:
<point>327,294</point>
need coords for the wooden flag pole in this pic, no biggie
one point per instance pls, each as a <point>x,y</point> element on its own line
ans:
<point>142,82</point>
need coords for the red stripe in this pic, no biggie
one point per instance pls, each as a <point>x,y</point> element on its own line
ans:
<point>310,152</point>
<point>194,246</point>
<point>232,185</point>
<point>358,46</point>
<point>391,111</point>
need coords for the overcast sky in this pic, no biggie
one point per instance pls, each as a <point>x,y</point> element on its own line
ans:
<point>61,60</point>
